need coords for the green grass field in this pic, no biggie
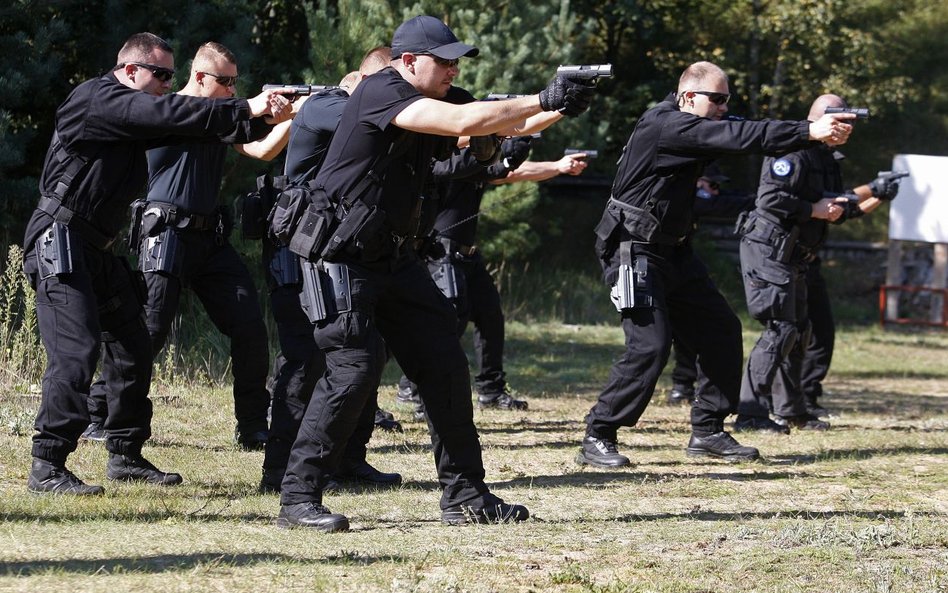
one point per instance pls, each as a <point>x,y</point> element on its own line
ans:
<point>863,507</point>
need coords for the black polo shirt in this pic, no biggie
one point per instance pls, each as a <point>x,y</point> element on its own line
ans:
<point>311,132</point>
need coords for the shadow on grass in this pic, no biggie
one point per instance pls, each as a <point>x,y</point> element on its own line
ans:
<point>885,402</point>
<point>854,454</point>
<point>172,563</point>
<point>699,515</point>
<point>586,479</point>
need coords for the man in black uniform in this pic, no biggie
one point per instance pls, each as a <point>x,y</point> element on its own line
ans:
<point>301,363</point>
<point>85,295</point>
<point>462,184</point>
<point>377,167</point>
<point>184,243</point>
<point>799,194</point>
<point>641,242</point>
<point>710,201</point>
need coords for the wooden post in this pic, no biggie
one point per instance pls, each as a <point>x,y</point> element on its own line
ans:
<point>939,267</point>
<point>893,277</point>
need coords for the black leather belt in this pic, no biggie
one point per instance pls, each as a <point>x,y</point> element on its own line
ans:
<point>63,215</point>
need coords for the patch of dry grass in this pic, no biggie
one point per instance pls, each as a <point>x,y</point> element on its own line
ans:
<point>863,507</point>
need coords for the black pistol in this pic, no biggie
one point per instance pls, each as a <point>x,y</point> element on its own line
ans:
<point>861,112</point>
<point>300,90</point>
<point>590,154</point>
<point>585,71</point>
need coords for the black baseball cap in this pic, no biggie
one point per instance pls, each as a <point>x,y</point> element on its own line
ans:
<point>428,35</point>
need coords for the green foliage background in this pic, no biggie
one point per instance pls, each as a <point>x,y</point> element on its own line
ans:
<point>780,54</point>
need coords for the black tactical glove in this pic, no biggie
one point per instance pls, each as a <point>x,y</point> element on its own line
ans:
<point>486,149</point>
<point>515,150</point>
<point>566,96</point>
<point>884,188</point>
<point>850,208</point>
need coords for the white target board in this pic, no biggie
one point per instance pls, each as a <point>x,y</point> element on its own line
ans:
<point>920,212</point>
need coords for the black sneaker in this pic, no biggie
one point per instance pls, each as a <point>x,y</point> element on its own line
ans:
<point>501,401</point>
<point>407,395</point>
<point>272,480</point>
<point>500,512</point>
<point>757,424</point>
<point>54,478</point>
<point>814,409</point>
<point>135,468</point>
<point>601,453</point>
<point>681,395</point>
<point>94,432</point>
<point>312,515</point>
<point>803,422</point>
<point>362,472</point>
<point>721,445</point>
<point>386,421</point>
<point>251,441</point>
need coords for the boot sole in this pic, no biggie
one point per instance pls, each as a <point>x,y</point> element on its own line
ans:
<point>583,460</point>
<point>172,482</point>
<point>697,453</point>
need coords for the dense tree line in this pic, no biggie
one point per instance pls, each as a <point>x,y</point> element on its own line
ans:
<point>780,54</point>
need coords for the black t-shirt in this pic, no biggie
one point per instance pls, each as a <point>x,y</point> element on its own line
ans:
<point>311,132</point>
<point>188,175</point>
<point>365,136</point>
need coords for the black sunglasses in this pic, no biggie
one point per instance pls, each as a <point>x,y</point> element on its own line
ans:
<point>441,61</point>
<point>162,74</point>
<point>223,80</point>
<point>716,98</point>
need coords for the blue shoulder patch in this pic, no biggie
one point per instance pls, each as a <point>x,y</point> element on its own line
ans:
<point>781,167</point>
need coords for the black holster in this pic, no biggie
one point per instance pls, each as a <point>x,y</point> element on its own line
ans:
<point>359,228</point>
<point>162,253</point>
<point>54,251</point>
<point>326,290</point>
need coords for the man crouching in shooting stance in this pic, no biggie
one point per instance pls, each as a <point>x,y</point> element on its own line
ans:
<point>373,178</point>
<point>659,285</point>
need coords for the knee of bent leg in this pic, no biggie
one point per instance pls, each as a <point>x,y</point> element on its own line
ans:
<point>782,335</point>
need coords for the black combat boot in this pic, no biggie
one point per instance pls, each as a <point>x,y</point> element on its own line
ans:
<point>312,515</point>
<point>407,395</point>
<point>135,468</point>
<point>500,401</point>
<point>386,421</point>
<point>250,440</point>
<point>803,422</point>
<point>496,511</point>
<point>601,453</point>
<point>53,477</point>
<point>758,424</point>
<point>721,445</point>
<point>360,471</point>
<point>94,432</point>
<point>681,395</point>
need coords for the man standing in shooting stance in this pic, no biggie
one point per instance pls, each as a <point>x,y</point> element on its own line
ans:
<point>87,299</point>
<point>181,234</point>
<point>799,194</point>
<point>659,285</point>
<point>374,176</point>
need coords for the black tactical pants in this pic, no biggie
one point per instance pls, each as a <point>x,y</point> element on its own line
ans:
<point>688,304</point>
<point>484,310</point>
<point>685,371</point>
<point>295,372</point>
<point>94,309</point>
<point>777,297</point>
<point>819,351</point>
<point>398,306</point>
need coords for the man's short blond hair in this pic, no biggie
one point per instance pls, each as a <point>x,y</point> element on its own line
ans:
<point>209,54</point>
<point>697,74</point>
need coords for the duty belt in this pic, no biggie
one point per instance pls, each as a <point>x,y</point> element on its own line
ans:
<point>184,220</point>
<point>658,237</point>
<point>61,214</point>
<point>452,246</point>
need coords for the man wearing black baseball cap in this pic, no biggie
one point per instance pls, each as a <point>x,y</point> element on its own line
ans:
<point>393,125</point>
